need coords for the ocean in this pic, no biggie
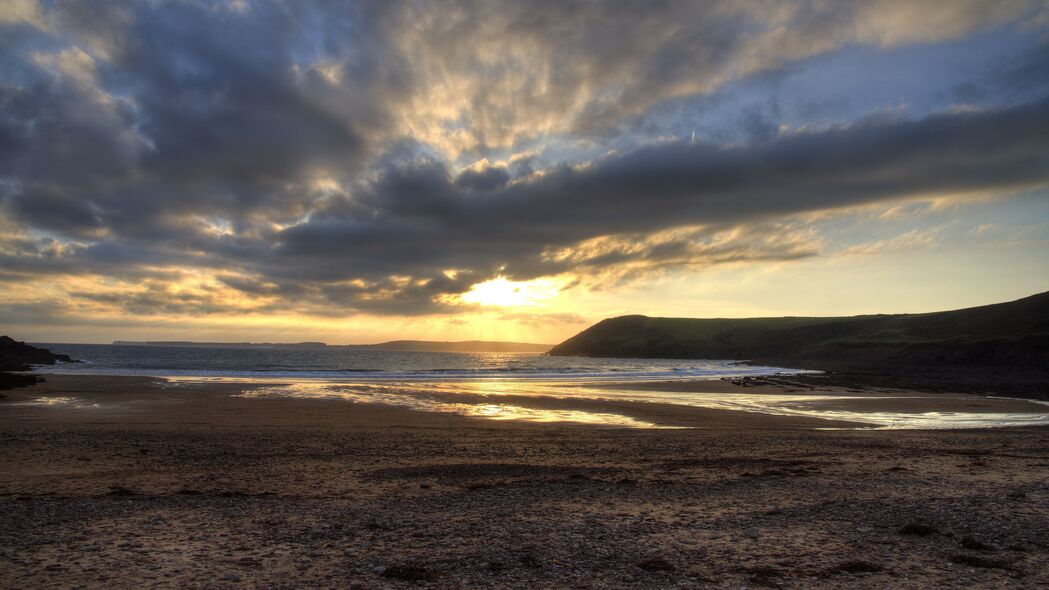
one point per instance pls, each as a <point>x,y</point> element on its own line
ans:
<point>334,363</point>
<point>501,386</point>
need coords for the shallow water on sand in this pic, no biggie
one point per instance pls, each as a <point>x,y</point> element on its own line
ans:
<point>482,399</point>
<point>56,402</point>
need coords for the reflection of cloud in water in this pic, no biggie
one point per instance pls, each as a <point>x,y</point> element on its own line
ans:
<point>434,397</point>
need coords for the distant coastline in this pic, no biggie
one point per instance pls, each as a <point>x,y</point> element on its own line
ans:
<point>1001,349</point>
<point>393,345</point>
<point>220,344</point>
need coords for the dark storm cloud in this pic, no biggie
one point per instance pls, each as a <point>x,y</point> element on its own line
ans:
<point>419,221</point>
<point>187,109</point>
<point>487,179</point>
<point>312,152</point>
<point>157,299</point>
<point>1029,72</point>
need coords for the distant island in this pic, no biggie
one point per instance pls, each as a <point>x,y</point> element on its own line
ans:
<point>221,344</point>
<point>1001,347</point>
<point>393,345</point>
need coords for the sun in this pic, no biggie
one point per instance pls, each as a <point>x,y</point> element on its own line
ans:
<point>502,292</point>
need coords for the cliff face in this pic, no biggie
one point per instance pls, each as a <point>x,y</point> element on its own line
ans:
<point>17,356</point>
<point>1014,334</point>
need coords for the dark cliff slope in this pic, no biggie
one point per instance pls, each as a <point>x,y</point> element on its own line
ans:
<point>1014,334</point>
<point>18,356</point>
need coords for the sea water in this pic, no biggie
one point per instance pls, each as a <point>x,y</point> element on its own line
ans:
<point>499,385</point>
<point>337,363</point>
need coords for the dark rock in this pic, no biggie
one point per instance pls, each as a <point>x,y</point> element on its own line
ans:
<point>18,356</point>
<point>11,380</point>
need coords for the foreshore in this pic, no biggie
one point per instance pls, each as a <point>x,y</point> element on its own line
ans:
<point>129,482</point>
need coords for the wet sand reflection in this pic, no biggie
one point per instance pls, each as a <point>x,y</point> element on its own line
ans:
<point>480,398</point>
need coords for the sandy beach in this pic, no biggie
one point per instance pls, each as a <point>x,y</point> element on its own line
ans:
<point>130,482</point>
<point>525,295</point>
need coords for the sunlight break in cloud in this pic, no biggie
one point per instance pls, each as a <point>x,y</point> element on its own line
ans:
<point>241,163</point>
<point>501,292</point>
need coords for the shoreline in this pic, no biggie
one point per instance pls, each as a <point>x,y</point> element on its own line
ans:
<point>125,399</point>
<point>776,401</point>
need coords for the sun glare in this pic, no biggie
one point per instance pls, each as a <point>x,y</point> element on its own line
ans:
<point>501,292</point>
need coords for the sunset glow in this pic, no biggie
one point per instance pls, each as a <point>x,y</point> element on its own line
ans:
<point>524,293</point>
<point>501,292</point>
<point>412,169</point>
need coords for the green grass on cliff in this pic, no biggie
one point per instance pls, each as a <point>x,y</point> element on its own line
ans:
<point>1005,334</point>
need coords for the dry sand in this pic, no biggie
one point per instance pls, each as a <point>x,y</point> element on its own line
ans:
<point>127,482</point>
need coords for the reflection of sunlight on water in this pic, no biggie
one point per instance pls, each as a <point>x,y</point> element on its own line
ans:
<point>917,420</point>
<point>511,412</point>
<point>56,402</point>
<point>434,397</point>
<point>893,420</point>
<point>419,401</point>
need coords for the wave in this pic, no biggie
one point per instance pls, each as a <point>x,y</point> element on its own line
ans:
<point>559,374</point>
<point>348,364</point>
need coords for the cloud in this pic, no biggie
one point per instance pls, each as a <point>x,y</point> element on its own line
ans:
<point>494,74</point>
<point>381,157</point>
<point>193,114</point>
<point>418,220</point>
<point>611,261</point>
<point>912,240</point>
<point>389,249</point>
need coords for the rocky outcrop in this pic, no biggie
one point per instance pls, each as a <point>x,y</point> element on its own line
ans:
<point>19,356</point>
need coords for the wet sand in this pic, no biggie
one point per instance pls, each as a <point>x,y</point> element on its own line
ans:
<point>127,482</point>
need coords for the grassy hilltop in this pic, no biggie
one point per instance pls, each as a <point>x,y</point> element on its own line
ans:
<point>1006,340</point>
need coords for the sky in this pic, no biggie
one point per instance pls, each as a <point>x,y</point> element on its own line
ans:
<point>349,172</point>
